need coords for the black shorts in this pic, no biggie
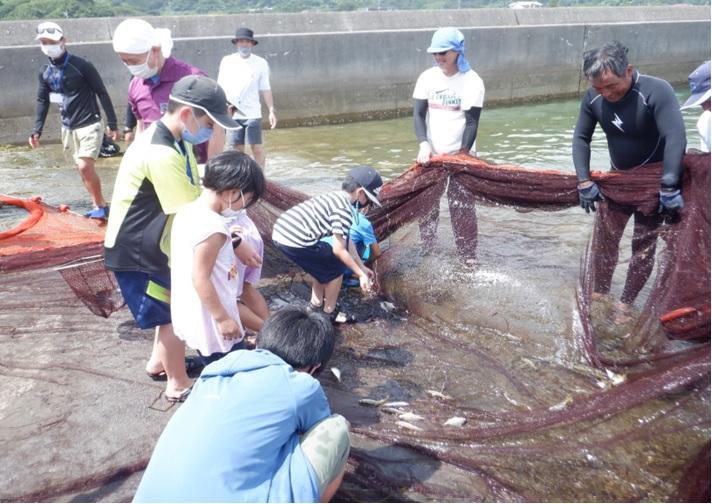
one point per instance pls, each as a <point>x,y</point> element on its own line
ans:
<point>318,260</point>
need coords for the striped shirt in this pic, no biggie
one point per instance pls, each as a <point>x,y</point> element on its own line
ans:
<point>305,224</point>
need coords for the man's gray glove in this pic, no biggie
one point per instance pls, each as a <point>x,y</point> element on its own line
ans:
<point>671,201</point>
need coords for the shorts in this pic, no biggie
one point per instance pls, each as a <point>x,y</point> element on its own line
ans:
<point>148,297</point>
<point>86,141</point>
<point>253,129</point>
<point>318,260</point>
<point>208,359</point>
<point>326,446</point>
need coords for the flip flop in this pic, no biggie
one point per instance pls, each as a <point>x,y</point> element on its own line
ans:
<point>192,365</point>
<point>180,397</point>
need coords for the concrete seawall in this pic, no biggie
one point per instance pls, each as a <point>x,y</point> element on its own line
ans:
<point>358,65</point>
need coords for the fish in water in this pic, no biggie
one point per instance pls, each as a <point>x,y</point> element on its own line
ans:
<point>396,404</point>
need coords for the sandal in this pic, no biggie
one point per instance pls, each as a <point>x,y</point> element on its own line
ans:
<point>192,365</point>
<point>180,397</point>
<point>312,308</point>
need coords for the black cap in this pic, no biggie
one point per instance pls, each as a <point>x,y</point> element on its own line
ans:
<point>204,93</point>
<point>369,179</point>
<point>244,34</point>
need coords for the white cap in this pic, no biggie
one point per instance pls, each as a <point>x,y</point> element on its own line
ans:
<point>49,30</point>
<point>136,36</point>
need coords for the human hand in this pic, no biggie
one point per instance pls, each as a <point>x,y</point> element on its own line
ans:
<point>589,193</point>
<point>365,280</point>
<point>112,133</point>
<point>671,201</point>
<point>229,329</point>
<point>247,255</point>
<point>128,136</point>
<point>424,153</point>
<point>34,140</point>
<point>272,119</point>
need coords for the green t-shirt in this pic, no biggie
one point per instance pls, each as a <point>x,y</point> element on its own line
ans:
<point>157,176</point>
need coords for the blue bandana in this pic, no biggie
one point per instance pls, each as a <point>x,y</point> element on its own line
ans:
<point>450,39</point>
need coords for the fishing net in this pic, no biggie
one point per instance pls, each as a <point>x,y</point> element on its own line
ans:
<point>51,236</point>
<point>465,405</point>
<point>493,368</point>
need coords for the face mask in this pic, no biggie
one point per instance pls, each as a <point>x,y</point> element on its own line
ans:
<point>244,51</point>
<point>202,136</point>
<point>53,51</point>
<point>229,213</point>
<point>142,71</point>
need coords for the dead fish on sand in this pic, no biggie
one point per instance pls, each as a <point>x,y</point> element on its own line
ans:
<point>372,402</point>
<point>616,379</point>
<point>337,373</point>
<point>409,426</point>
<point>455,421</point>
<point>396,404</point>
<point>410,417</point>
<point>439,395</point>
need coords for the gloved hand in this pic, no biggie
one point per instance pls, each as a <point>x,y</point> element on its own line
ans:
<point>671,201</point>
<point>588,195</point>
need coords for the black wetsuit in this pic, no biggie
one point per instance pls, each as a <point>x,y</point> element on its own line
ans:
<point>80,84</point>
<point>644,127</point>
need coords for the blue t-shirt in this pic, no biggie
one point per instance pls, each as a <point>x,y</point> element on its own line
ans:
<point>236,438</point>
<point>361,233</point>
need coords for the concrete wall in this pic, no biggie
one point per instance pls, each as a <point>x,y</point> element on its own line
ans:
<point>347,66</point>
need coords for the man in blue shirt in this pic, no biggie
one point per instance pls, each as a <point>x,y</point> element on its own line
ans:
<point>257,426</point>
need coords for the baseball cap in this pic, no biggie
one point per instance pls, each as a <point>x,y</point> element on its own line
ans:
<point>446,39</point>
<point>205,94</point>
<point>699,81</point>
<point>369,180</point>
<point>49,30</point>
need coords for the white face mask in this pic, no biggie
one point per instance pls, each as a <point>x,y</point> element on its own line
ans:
<point>229,213</point>
<point>53,51</point>
<point>244,51</point>
<point>142,71</point>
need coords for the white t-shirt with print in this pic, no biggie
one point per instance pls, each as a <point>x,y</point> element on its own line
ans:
<point>192,322</point>
<point>242,79</point>
<point>704,128</point>
<point>448,98</point>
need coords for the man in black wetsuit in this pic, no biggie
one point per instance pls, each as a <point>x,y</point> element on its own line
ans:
<point>74,85</point>
<point>641,118</point>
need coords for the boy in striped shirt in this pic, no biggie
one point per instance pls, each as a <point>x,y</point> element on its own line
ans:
<point>298,231</point>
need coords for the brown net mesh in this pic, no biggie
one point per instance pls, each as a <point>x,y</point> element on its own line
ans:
<point>488,397</point>
<point>93,284</point>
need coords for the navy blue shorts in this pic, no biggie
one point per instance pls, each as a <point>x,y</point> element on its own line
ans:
<point>318,260</point>
<point>251,128</point>
<point>207,359</point>
<point>148,297</point>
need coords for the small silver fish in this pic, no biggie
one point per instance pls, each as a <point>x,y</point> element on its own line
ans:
<point>372,402</point>
<point>409,426</point>
<point>410,417</point>
<point>563,404</point>
<point>616,379</point>
<point>337,373</point>
<point>387,306</point>
<point>396,404</point>
<point>392,411</point>
<point>455,421</point>
<point>439,395</point>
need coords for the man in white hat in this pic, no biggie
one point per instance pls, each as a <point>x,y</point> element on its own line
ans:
<point>245,77</point>
<point>74,85</point>
<point>699,81</point>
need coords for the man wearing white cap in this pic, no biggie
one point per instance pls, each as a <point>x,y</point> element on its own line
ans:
<point>699,81</point>
<point>146,52</point>
<point>74,85</point>
<point>245,77</point>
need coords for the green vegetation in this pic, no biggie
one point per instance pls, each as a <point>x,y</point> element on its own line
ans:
<point>37,9</point>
